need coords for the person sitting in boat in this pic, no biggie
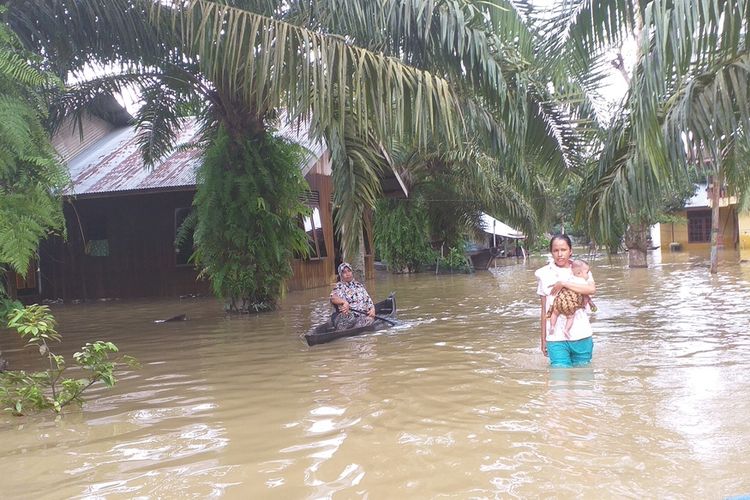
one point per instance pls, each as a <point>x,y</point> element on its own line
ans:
<point>354,307</point>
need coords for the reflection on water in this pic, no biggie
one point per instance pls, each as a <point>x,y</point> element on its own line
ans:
<point>456,402</point>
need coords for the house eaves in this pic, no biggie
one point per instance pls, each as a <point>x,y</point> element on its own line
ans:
<point>493,226</point>
<point>113,165</point>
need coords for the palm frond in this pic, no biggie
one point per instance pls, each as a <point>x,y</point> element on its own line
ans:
<point>595,23</point>
<point>710,109</point>
<point>157,124</point>
<point>73,35</point>
<point>357,168</point>
<point>675,64</point>
<point>85,96</point>
<point>554,142</point>
<point>269,63</point>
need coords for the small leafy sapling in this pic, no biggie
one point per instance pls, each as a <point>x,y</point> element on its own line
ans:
<point>21,392</point>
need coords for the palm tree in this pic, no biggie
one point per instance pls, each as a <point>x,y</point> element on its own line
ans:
<point>542,136</point>
<point>456,186</point>
<point>619,185</point>
<point>706,110</point>
<point>357,73</point>
<point>235,67</point>
<point>687,101</point>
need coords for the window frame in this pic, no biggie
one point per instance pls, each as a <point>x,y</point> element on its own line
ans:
<point>315,233</point>
<point>699,226</point>
<point>96,236</point>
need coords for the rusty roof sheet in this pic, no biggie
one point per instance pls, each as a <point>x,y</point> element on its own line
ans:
<point>113,165</point>
<point>299,134</point>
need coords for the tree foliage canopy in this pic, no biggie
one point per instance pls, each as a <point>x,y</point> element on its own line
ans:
<point>30,174</point>
<point>247,210</point>
<point>686,106</point>
<point>358,73</point>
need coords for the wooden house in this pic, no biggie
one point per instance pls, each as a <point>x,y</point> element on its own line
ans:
<point>121,220</point>
<point>499,241</point>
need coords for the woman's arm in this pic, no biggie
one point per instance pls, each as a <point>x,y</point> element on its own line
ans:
<point>341,304</point>
<point>588,288</point>
<point>544,325</point>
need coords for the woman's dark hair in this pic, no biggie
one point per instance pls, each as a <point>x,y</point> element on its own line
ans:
<point>564,237</point>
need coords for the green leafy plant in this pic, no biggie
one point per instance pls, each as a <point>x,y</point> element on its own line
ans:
<point>455,261</point>
<point>30,174</point>
<point>7,305</point>
<point>247,206</point>
<point>21,392</point>
<point>402,235</point>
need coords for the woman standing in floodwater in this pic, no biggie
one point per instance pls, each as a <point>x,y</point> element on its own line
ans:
<point>552,278</point>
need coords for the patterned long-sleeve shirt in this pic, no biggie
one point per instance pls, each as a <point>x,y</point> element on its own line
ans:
<point>355,294</point>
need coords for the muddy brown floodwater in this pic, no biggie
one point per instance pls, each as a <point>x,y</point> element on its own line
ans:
<point>458,402</point>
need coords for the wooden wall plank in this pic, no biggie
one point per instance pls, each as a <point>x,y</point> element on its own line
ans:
<point>141,261</point>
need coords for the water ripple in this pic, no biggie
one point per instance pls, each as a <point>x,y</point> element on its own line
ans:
<point>456,402</point>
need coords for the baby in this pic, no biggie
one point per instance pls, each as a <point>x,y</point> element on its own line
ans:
<point>568,301</point>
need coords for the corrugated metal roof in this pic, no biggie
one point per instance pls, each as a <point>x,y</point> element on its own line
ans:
<point>493,226</point>
<point>700,198</point>
<point>114,165</point>
<point>300,135</point>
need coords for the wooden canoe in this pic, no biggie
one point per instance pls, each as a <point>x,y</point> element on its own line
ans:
<point>326,332</point>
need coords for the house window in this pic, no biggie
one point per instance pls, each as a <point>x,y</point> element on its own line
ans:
<point>315,237</point>
<point>699,226</point>
<point>27,285</point>
<point>95,232</point>
<point>183,246</point>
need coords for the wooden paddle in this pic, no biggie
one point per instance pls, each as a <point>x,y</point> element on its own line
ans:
<point>376,316</point>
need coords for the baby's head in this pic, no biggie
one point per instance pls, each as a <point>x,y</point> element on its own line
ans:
<point>580,268</point>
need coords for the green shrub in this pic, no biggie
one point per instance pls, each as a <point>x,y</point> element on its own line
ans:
<point>21,392</point>
<point>31,175</point>
<point>402,236</point>
<point>455,261</point>
<point>247,209</point>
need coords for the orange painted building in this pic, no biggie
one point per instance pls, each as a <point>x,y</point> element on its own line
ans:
<point>692,231</point>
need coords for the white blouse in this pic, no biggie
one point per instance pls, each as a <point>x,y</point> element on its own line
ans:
<point>546,277</point>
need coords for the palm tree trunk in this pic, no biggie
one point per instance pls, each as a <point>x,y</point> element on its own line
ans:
<point>635,240</point>
<point>357,260</point>
<point>715,200</point>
